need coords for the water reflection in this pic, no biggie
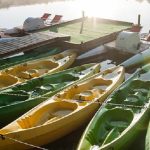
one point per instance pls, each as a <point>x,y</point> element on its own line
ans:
<point>143,1</point>
<point>10,3</point>
<point>124,10</point>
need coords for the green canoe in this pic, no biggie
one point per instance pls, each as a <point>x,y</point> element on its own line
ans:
<point>18,99</point>
<point>122,118</point>
<point>36,54</point>
<point>147,142</point>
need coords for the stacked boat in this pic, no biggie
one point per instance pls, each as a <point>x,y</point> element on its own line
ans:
<point>64,112</point>
<point>64,101</point>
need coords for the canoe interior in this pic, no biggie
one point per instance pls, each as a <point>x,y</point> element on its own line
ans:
<point>48,114</point>
<point>93,28</point>
<point>7,80</point>
<point>31,70</point>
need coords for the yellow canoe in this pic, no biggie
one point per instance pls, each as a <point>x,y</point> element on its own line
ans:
<point>62,113</point>
<point>36,68</point>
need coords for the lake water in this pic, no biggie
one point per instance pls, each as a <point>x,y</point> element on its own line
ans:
<point>14,12</point>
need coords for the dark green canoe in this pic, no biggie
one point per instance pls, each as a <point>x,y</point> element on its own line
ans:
<point>147,141</point>
<point>18,99</point>
<point>122,118</point>
<point>36,54</point>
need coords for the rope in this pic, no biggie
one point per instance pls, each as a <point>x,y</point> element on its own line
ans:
<point>113,104</point>
<point>3,137</point>
<point>80,101</point>
<point>125,105</point>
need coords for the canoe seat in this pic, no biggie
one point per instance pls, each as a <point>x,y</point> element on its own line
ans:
<point>25,122</point>
<point>31,70</point>
<point>7,80</point>
<point>57,115</point>
<point>47,114</point>
<point>88,95</point>
<point>28,74</point>
<point>110,74</point>
<point>101,83</point>
<point>87,91</point>
<point>98,87</point>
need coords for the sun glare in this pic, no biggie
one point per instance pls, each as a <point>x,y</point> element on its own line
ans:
<point>97,8</point>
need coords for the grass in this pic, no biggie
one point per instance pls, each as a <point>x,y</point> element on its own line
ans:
<point>91,30</point>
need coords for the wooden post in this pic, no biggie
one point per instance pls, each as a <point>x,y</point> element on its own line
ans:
<point>139,20</point>
<point>81,29</point>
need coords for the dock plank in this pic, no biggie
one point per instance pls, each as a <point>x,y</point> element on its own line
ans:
<point>28,42</point>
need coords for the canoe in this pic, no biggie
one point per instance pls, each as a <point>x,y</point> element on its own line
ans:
<point>122,118</point>
<point>138,59</point>
<point>147,141</point>
<point>63,113</point>
<point>37,68</point>
<point>20,58</point>
<point>18,99</point>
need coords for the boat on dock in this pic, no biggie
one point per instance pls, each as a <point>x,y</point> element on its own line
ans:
<point>36,68</point>
<point>123,116</point>
<point>63,113</point>
<point>96,31</point>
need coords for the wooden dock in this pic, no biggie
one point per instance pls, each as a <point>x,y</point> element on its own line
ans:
<point>9,46</point>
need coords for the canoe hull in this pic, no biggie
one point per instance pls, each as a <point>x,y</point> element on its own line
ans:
<point>52,132</point>
<point>138,59</point>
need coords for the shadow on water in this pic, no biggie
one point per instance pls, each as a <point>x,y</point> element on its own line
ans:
<point>68,142</point>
